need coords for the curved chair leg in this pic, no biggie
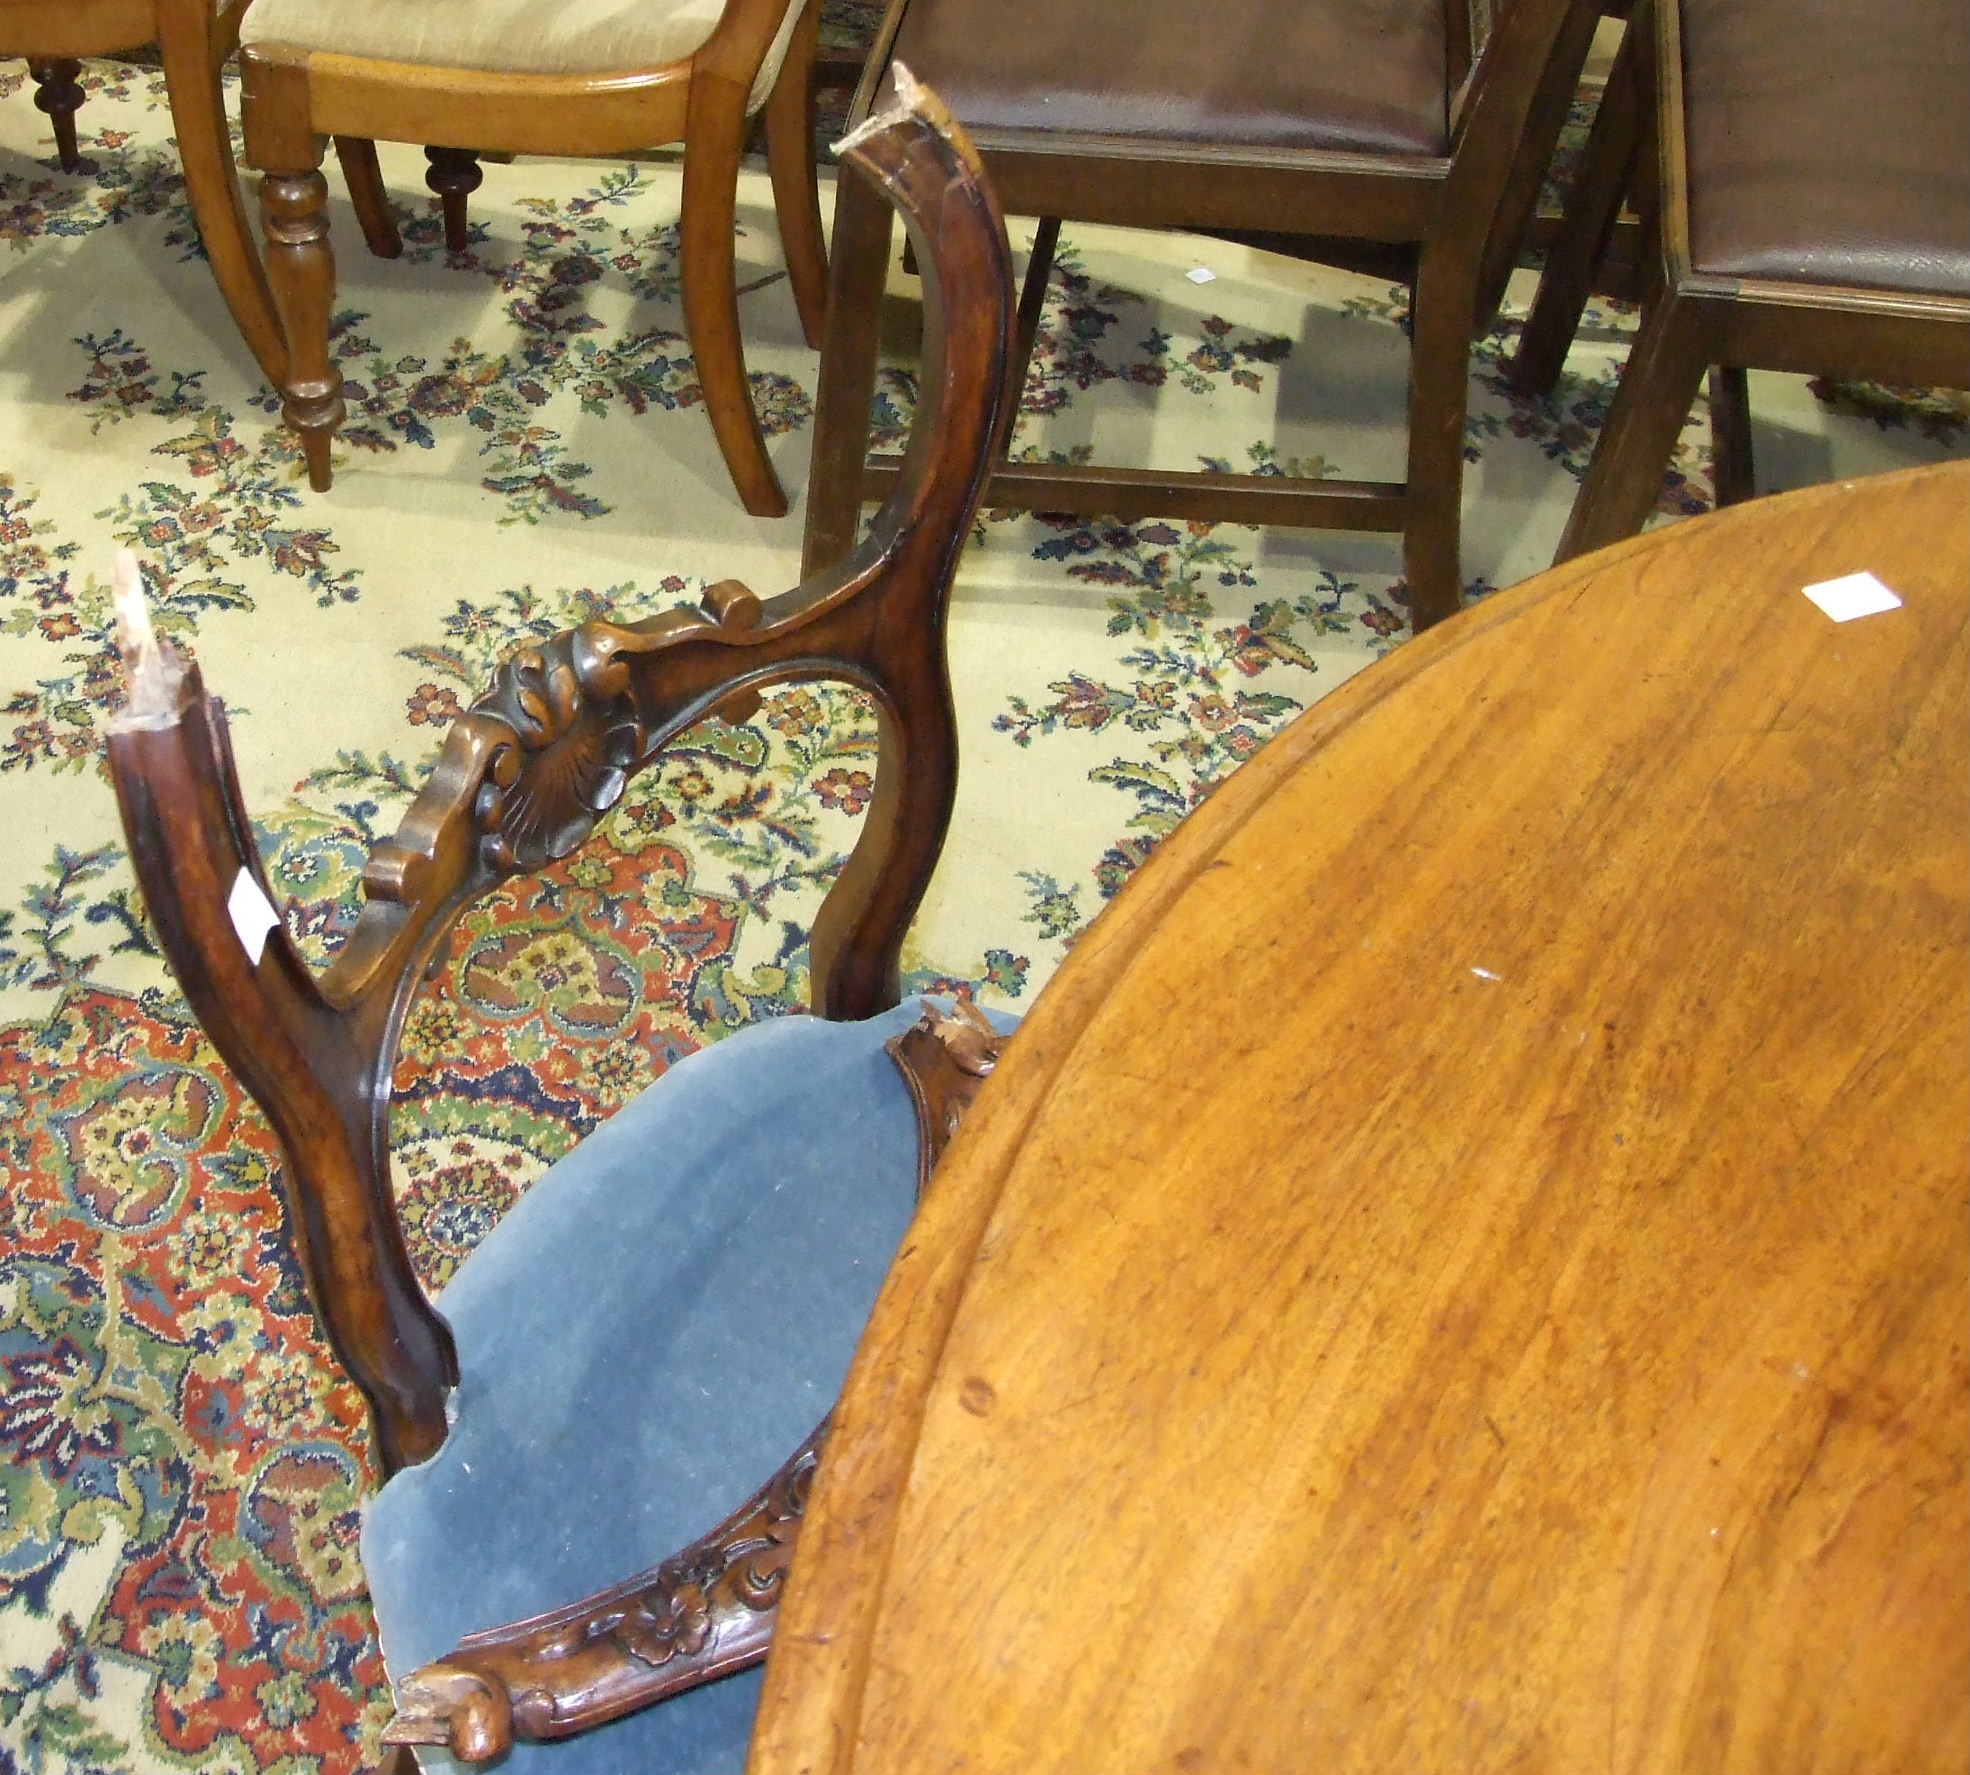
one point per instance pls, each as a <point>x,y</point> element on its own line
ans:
<point>1658,387</point>
<point>58,96</point>
<point>360,172</point>
<point>198,114</point>
<point>796,190</point>
<point>453,176</point>
<point>715,137</point>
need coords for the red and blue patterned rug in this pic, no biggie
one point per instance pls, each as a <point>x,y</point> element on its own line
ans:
<point>179,1587</point>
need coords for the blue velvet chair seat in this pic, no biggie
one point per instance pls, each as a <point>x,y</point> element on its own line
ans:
<point>648,1334</point>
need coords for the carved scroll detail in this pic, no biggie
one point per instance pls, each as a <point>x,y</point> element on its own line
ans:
<point>944,1059</point>
<point>744,1567</point>
<point>576,739</point>
<point>531,767</point>
<point>702,1613</point>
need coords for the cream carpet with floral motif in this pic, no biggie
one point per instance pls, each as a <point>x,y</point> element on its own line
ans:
<point>178,1582</point>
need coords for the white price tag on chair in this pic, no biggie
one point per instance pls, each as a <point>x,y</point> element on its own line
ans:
<point>254,918</point>
<point>1852,595</point>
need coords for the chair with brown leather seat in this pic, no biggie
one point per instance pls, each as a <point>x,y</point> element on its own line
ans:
<point>625,1376</point>
<point>1348,125</point>
<point>507,76</point>
<point>1811,190</point>
<point>195,38</point>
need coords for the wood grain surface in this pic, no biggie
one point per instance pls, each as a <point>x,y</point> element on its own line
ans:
<point>1467,1265</point>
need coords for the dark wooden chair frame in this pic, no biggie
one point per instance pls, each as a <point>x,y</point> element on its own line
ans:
<point>1518,225</point>
<point>1428,218</point>
<point>1693,322</point>
<point>1620,141</point>
<point>195,39</point>
<point>524,778</point>
<point>292,99</point>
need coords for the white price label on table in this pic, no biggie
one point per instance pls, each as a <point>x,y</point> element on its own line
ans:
<point>1852,595</point>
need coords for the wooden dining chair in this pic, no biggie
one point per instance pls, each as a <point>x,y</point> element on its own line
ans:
<point>614,1379</point>
<point>1806,171</point>
<point>468,76</point>
<point>195,38</point>
<point>1379,135</point>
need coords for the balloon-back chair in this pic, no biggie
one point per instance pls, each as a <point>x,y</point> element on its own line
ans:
<point>614,1379</point>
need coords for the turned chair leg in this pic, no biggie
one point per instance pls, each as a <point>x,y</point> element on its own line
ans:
<point>857,275</point>
<point>796,190</point>
<point>301,268</point>
<point>1658,388</point>
<point>360,172</point>
<point>212,182</point>
<point>453,176</point>
<point>58,95</point>
<point>716,132</point>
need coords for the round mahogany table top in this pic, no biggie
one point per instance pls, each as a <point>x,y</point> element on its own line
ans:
<point>1467,1266</point>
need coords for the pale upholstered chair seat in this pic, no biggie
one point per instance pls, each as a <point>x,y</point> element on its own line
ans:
<point>464,78</point>
<point>507,36</point>
<point>725,1235</point>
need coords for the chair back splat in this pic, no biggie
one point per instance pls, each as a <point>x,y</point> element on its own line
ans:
<point>527,773</point>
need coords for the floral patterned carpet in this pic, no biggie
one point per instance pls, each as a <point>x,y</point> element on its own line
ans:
<point>179,1587</point>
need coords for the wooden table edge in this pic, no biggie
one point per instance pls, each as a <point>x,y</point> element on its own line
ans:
<point>810,1708</point>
